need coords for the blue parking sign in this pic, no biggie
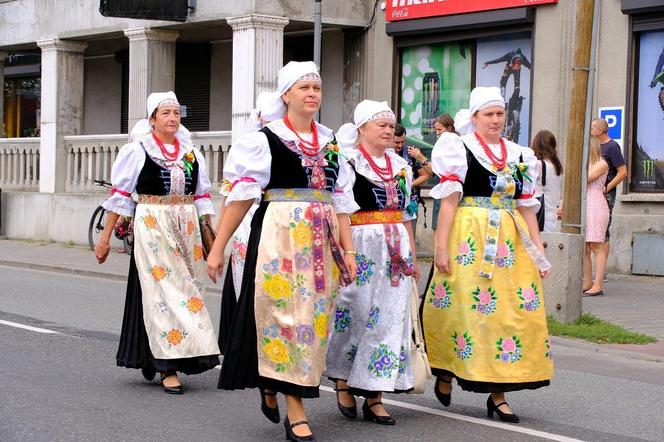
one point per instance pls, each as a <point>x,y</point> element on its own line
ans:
<point>614,118</point>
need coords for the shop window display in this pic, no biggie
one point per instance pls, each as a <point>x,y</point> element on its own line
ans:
<point>22,105</point>
<point>648,147</point>
<point>438,78</point>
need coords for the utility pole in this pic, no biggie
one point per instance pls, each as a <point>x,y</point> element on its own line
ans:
<point>318,28</point>
<point>574,154</point>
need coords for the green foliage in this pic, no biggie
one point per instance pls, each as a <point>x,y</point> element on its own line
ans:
<point>593,329</point>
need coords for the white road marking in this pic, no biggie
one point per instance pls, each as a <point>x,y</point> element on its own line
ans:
<point>474,420</point>
<point>27,327</point>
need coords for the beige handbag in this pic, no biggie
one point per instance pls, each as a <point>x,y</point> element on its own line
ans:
<point>418,357</point>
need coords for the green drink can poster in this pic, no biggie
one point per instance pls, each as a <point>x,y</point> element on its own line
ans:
<point>435,79</point>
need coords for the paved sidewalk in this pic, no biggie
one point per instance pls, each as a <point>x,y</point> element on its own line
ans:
<point>635,302</point>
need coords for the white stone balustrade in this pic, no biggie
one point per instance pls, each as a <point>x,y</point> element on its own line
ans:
<point>19,163</point>
<point>90,157</point>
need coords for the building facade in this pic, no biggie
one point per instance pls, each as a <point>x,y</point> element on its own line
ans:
<point>441,50</point>
<point>75,82</point>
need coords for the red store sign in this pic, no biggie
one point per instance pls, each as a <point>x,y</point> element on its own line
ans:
<point>409,9</point>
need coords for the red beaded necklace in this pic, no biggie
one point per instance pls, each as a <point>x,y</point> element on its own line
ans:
<point>170,156</point>
<point>500,163</point>
<point>384,173</point>
<point>307,148</point>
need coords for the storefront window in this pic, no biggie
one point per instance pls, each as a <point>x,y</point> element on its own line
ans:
<point>438,78</point>
<point>22,105</point>
<point>648,151</point>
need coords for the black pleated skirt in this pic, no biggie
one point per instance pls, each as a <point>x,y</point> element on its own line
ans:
<point>490,387</point>
<point>134,349</point>
<point>239,368</point>
<point>228,306</point>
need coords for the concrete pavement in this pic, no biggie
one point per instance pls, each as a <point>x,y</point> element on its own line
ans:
<point>635,302</point>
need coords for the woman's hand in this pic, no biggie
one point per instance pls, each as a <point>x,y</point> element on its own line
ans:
<point>215,264</point>
<point>543,274</point>
<point>416,272</point>
<point>417,154</point>
<point>351,265</point>
<point>442,260</point>
<point>102,248</point>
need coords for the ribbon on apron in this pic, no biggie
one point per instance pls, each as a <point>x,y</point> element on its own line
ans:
<point>495,205</point>
<point>321,205</point>
<point>318,178</point>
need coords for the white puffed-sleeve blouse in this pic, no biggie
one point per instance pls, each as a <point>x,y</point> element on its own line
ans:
<point>127,167</point>
<point>449,162</point>
<point>249,161</point>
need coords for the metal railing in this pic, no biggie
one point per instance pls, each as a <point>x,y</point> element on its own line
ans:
<point>91,157</point>
<point>19,163</point>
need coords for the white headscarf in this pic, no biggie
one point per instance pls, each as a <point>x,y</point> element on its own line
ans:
<point>154,101</point>
<point>480,98</point>
<point>365,111</point>
<point>269,107</point>
<point>290,74</point>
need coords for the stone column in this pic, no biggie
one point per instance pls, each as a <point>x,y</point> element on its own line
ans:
<point>3,55</point>
<point>258,54</point>
<point>151,67</point>
<point>61,107</point>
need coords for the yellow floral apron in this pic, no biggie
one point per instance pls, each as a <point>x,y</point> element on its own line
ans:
<point>294,297</point>
<point>169,259</point>
<point>485,320</point>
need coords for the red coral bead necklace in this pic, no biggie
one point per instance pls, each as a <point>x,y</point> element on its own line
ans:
<point>307,148</point>
<point>169,156</point>
<point>384,173</point>
<point>500,163</point>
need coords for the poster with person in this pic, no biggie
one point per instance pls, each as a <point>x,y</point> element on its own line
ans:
<point>648,148</point>
<point>505,61</point>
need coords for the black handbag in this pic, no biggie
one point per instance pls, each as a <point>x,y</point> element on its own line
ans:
<point>541,211</point>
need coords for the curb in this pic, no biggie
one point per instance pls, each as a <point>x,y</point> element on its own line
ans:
<point>601,348</point>
<point>60,269</point>
<point>78,272</point>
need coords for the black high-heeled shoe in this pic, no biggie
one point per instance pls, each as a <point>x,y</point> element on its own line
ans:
<point>271,413</point>
<point>294,437</point>
<point>371,416</point>
<point>492,407</point>
<point>349,412</point>
<point>443,398</point>
<point>171,390</point>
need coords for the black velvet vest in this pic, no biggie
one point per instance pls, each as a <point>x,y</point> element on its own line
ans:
<point>155,180</point>
<point>370,196</point>
<point>287,171</point>
<point>480,182</point>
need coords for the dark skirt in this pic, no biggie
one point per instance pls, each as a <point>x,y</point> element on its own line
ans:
<point>228,306</point>
<point>134,349</point>
<point>490,387</point>
<point>239,369</point>
<point>369,394</point>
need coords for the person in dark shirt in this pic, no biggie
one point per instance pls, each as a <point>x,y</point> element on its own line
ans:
<point>612,153</point>
<point>418,162</point>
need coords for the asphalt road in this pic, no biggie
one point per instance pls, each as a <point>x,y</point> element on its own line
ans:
<point>65,386</point>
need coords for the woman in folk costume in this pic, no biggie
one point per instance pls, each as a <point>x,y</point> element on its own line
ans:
<point>269,107</point>
<point>484,320</point>
<point>278,337</point>
<point>166,327</point>
<point>370,346</point>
